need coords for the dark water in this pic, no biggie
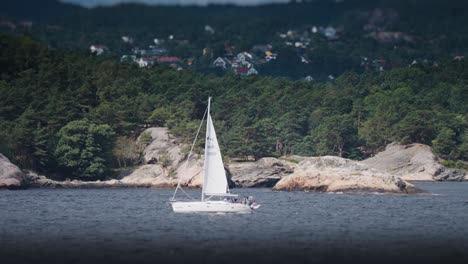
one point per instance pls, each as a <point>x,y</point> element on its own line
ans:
<point>138,226</point>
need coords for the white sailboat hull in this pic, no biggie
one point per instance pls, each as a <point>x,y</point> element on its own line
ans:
<point>210,207</point>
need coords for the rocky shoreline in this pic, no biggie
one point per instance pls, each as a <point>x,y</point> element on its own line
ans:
<point>390,171</point>
<point>334,174</point>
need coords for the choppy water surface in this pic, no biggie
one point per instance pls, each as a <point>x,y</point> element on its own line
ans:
<point>137,225</point>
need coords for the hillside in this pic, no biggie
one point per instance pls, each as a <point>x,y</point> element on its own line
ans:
<point>321,39</point>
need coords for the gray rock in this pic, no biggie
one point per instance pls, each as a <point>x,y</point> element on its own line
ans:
<point>162,146</point>
<point>265,172</point>
<point>11,177</point>
<point>446,174</point>
<point>335,174</point>
<point>413,162</point>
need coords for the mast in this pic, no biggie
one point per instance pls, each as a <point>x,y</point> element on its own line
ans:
<point>206,150</point>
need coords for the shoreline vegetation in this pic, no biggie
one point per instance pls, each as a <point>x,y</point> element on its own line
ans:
<point>390,171</point>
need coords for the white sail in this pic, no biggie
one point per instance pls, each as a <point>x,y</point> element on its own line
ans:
<point>214,178</point>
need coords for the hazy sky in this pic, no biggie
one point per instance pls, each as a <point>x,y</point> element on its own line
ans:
<point>91,3</point>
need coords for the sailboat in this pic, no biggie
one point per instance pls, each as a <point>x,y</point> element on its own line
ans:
<point>215,196</point>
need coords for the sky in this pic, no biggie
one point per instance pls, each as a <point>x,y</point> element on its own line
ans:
<point>92,3</point>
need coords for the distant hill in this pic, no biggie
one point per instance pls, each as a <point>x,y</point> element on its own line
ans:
<point>372,35</point>
<point>42,10</point>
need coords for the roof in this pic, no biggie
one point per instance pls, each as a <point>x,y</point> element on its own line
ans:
<point>242,70</point>
<point>168,59</point>
<point>150,59</point>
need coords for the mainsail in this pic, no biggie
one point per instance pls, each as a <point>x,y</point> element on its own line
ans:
<point>214,178</point>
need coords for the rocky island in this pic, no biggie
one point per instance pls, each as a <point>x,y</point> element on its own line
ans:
<point>386,172</point>
<point>334,174</point>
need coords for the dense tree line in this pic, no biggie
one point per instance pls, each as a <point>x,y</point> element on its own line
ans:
<point>68,114</point>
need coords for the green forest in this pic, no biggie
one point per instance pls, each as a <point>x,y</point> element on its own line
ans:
<point>65,113</point>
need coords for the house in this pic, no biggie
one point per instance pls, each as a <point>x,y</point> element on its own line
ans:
<point>142,63</point>
<point>127,39</point>
<point>330,33</point>
<point>209,29</point>
<point>314,29</point>
<point>146,61</point>
<point>25,23</point>
<point>290,33</point>
<point>207,52</point>
<point>270,56</point>
<point>298,44</point>
<point>98,49</point>
<point>422,61</point>
<point>221,62</point>
<point>388,36</point>
<point>331,77</point>
<point>242,71</point>
<point>303,60</point>
<point>240,57</point>
<point>379,64</point>
<point>364,60</point>
<point>309,78</point>
<point>155,51</point>
<point>152,51</point>
<point>251,71</point>
<point>262,48</point>
<point>7,23</point>
<point>128,58</point>
<point>190,61</point>
<point>183,42</point>
<point>458,58</point>
<point>168,59</point>
<point>243,56</point>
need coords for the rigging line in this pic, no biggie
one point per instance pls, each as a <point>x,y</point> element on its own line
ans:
<point>188,195</point>
<point>188,158</point>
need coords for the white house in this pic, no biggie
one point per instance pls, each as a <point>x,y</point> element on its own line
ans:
<point>330,33</point>
<point>209,29</point>
<point>142,63</point>
<point>127,39</point>
<point>128,58</point>
<point>98,49</point>
<point>221,62</point>
<point>309,78</point>
<point>240,57</point>
<point>298,44</point>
